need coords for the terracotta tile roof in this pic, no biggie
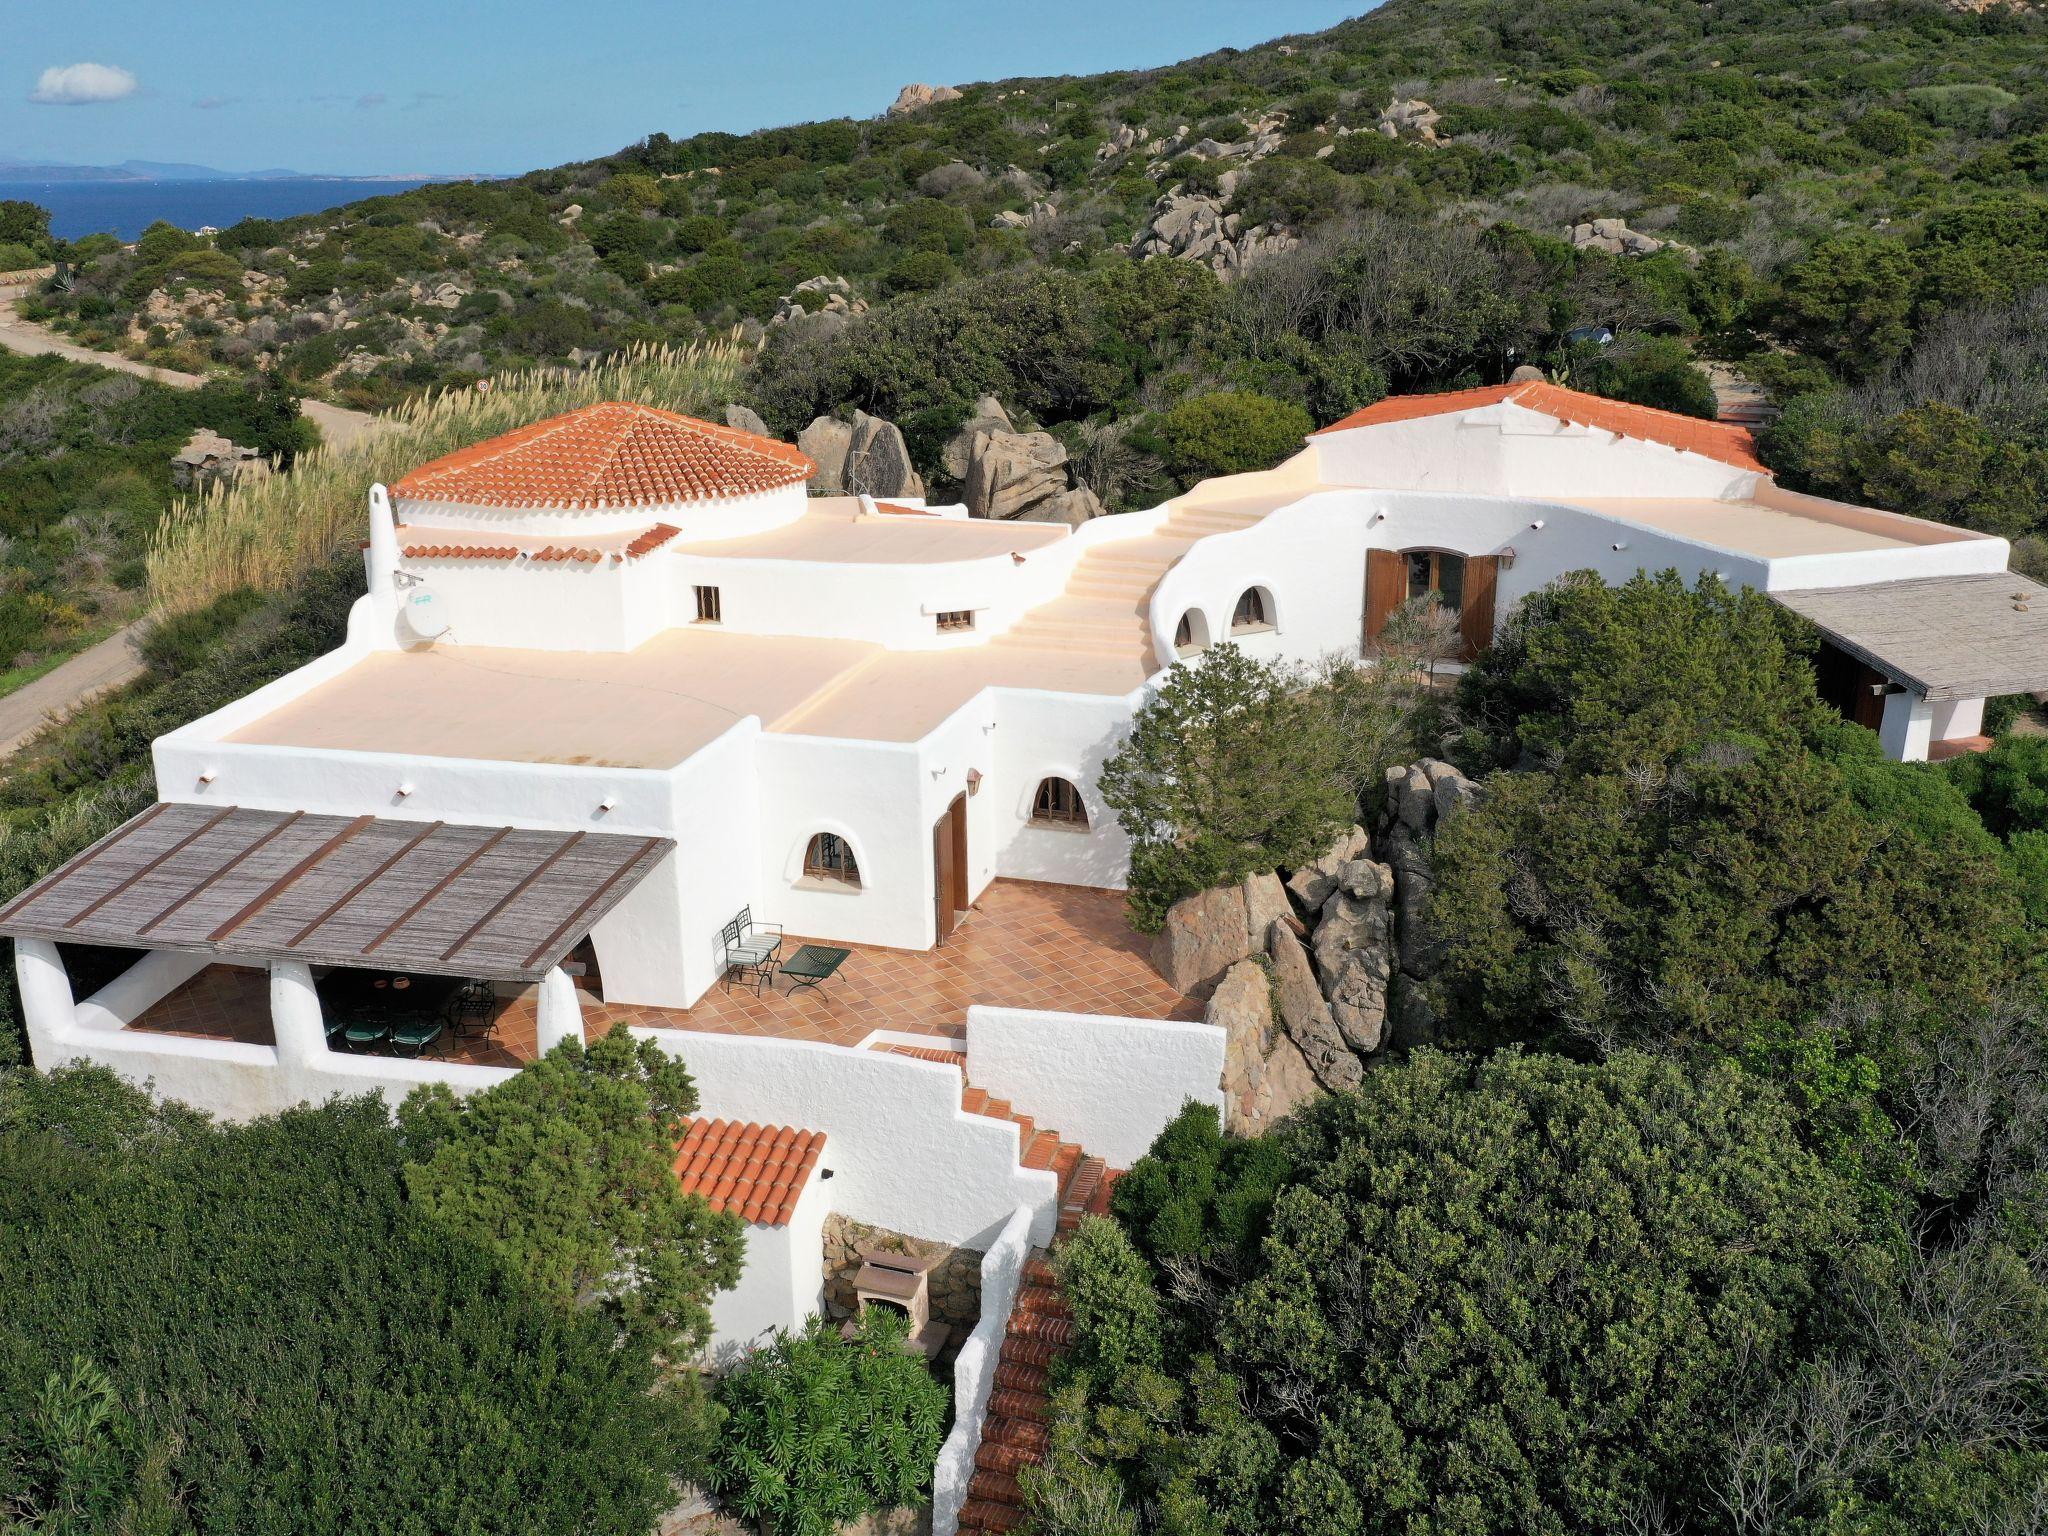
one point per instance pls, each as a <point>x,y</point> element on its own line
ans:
<point>1725,441</point>
<point>613,454</point>
<point>651,540</point>
<point>755,1171</point>
<point>459,552</point>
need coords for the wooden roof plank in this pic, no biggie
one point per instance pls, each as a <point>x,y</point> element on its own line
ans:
<point>403,850</point>
<point>118,835</point>
<point>179,846</point>
<point>567,924</point>
<point>436,889</point>
<point>272,891</point>
<point>185,897</point>
<point>510,896</point>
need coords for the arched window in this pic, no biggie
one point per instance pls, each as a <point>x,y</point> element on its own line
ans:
<point>1435,571</point>
<point>1058,804</point>
<point>1191,635</point>
<point>829,857</point>
<point>1253,611</point>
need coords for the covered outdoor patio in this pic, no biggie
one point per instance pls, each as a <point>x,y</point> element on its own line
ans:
<point>1061,948</point>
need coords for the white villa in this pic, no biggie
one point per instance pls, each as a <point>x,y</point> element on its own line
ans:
<point>619,682</point>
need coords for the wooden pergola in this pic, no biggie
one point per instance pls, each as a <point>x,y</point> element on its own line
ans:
<point>1943,637</point>
<point>439,898</point>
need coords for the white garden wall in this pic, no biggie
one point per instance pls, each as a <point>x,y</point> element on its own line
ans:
<point>903,1153</point>
<point>782,1279</point>
<point>974,1370</point>
<point>1109,1084</point>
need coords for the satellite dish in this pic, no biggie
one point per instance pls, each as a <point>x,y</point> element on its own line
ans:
<point>427,613</point>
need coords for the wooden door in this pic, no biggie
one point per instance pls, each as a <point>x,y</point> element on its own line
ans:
<point>1475,612</point>
<point>949,866</point>
<point>1386,588</point>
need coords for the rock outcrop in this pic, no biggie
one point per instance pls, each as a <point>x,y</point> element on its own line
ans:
<point>1040,212</point>
<point>862,457</point>
<point>1305,1016</point>
<point>816,298</point>
<point>878,460</point>
<point>1312,884</point>
<point>1410,119</point>
<point>1355,954</point>
<point>1193,227</point>
<point>207,457</point>
<point>1022,476</point>
<point>1204,935</point>
<point>1343,943</point>
<point>988,415</point>
<point>742,419</point>
<point>1615,237</point>
<point>915,98</point>
<point>827,440</point>
<point>1265,1074</point>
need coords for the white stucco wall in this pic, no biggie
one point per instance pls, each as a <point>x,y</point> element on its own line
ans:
<point>905,1155</point>
<point>233,1080</point>
<point>1110,1084</point>
<point>782,1280</point>
<point>1069,736</point>
<point>974,1370</point>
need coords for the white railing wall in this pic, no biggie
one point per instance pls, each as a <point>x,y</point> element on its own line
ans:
<point>974,1370</point>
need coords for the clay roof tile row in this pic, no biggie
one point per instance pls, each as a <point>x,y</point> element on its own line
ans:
<point>613,454</point>
<point>651,540</point>
<point>460,552</point>
<point>555,552</point>
<point>755,1171</point>
<point>1725,441</point>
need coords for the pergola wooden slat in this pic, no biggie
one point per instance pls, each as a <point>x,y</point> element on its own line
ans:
<point>433,897</point>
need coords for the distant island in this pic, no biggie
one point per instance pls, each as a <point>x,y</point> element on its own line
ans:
<point>160,170</point>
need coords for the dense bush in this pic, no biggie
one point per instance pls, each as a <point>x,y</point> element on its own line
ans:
<point>302,1348</point>
<point>820,1429</point>
<point>1229,433</point>
<point>1524,1293</point>
<point>1238,765</point>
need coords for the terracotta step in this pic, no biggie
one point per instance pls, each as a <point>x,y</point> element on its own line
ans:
<point>1021,1380</point>
<point>1018,1434</point>
<point>984,1515</point>
<point>973,1100</point>
<point>1081,1185</point>
<point>1042,1301</point>
<point>1040,1327</point>
<point>995,1488</point>
<point>1018,1349</point>
<point>1033,1407</point>
<point>1041,1149</point>
<point>1099,1205</point>
<point>928,1053</point>
<point>998,1455</point>
<point>1038,1270</point>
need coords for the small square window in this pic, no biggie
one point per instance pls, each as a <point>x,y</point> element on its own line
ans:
<point>958,619</point>
<point>708,609</point>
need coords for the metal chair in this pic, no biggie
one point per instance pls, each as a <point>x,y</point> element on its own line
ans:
<point>751,949</point>
<point>471,1007</point>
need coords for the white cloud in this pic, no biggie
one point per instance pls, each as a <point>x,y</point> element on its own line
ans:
<point>73,85</point>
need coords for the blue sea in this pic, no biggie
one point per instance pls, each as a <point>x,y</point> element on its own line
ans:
<point>127,208</point>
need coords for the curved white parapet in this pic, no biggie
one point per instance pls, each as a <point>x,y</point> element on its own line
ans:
<point>974,1370</point>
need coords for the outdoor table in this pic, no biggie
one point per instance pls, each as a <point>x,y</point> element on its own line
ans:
<point>813,963</point>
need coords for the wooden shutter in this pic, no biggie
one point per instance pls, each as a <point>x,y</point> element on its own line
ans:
<point>1386,588</point>
<point>1475,614</point>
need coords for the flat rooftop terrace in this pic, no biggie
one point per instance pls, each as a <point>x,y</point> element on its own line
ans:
<point>833,529</point>
<point>1753,528</point>
<point>656,706</point>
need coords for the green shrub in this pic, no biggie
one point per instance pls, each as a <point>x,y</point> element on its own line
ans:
<point>306,1350</point>
<point>1230,432</point>
<point>14,258</point>
<point>820,1429</point>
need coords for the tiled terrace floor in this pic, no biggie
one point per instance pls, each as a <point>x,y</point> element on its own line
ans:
<point>1026,945</point>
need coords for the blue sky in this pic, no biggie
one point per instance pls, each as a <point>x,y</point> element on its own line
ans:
<point>381,87</point>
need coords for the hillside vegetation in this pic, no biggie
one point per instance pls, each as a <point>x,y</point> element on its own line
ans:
<point>1803,188</point>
